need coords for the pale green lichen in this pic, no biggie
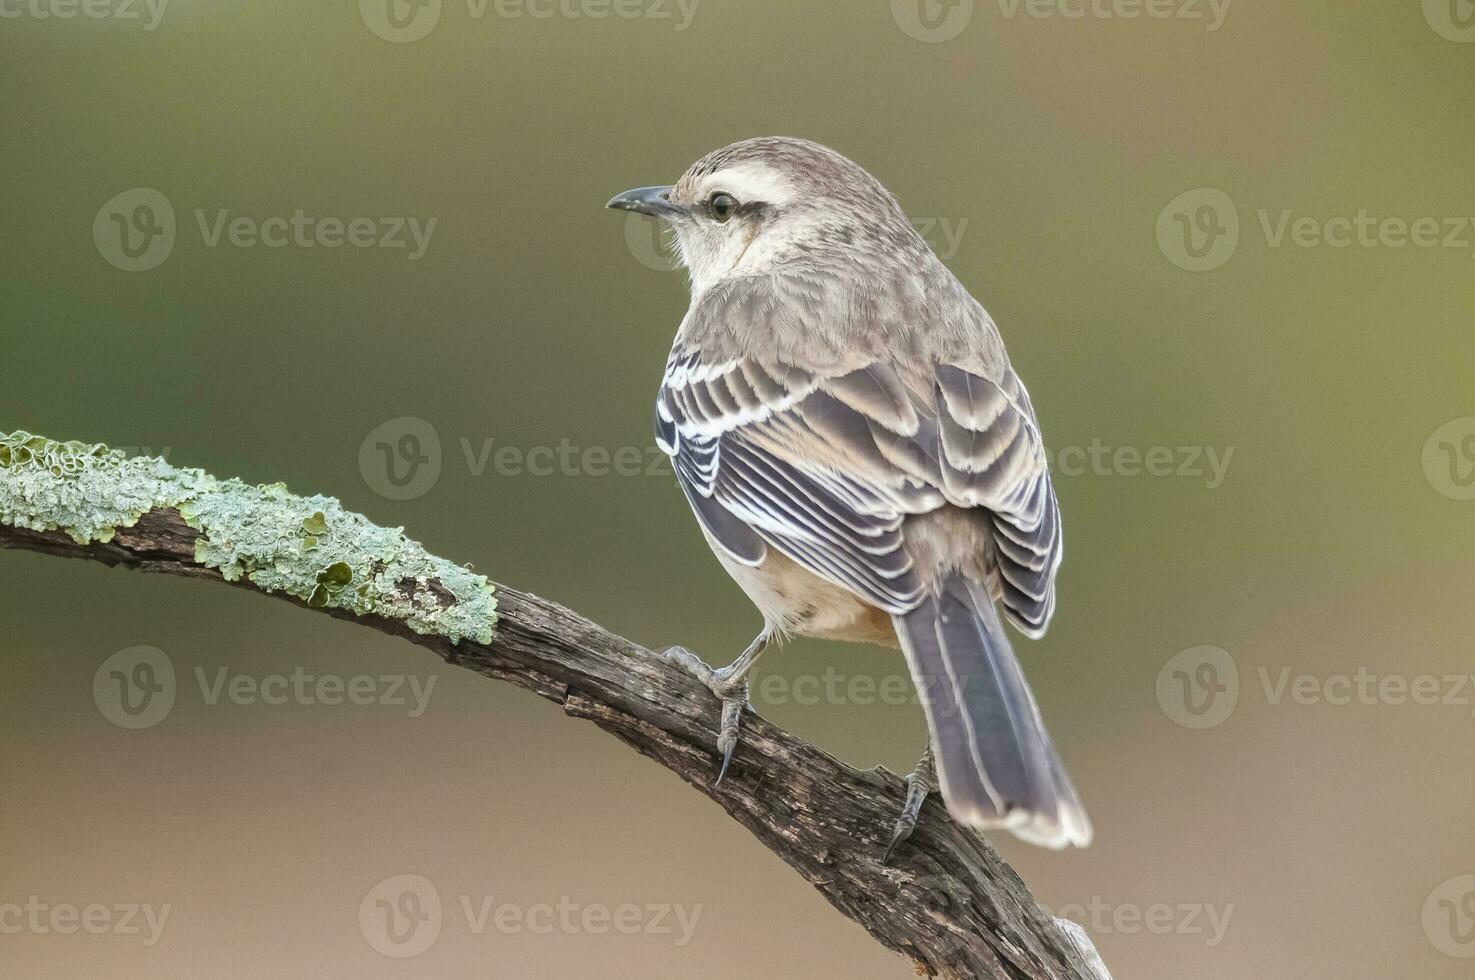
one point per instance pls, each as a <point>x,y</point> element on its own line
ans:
<point>308,547</point>
<point>87,491</point>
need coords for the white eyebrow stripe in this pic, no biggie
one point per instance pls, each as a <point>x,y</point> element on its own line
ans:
<point>750,182</point>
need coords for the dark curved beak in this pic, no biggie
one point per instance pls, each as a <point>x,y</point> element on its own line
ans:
<point>654,201</point>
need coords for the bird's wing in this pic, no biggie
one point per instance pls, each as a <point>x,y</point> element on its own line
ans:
<point>993,458</point>
<point>825,465</point>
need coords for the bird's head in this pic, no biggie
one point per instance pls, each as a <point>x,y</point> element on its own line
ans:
<point>760,204</point>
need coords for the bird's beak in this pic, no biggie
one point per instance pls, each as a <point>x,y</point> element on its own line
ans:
<point>654,201</point>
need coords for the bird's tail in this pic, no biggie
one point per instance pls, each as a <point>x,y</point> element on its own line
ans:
<point>994,758</point>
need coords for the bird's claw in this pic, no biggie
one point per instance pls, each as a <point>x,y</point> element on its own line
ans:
<point>727,734</point>
<point>919,784</point>
<point>730,687</point>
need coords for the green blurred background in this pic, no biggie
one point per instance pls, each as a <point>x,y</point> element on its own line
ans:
<point>1332,837</point>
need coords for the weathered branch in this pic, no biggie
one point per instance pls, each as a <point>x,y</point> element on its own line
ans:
<point>949,903</point>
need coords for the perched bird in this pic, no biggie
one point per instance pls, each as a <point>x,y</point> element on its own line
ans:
<point>864,462</point>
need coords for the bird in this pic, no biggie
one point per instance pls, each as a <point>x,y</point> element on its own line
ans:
<point>844,421</point>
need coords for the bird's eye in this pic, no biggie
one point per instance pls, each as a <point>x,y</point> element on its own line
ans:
<point>723,206</point>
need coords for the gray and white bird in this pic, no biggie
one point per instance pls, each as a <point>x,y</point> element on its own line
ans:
<point>864,462</point>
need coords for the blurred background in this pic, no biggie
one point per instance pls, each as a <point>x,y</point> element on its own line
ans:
<point>361,249</point>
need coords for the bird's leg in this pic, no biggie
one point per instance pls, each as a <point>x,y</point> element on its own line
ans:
<point>921,781</point>
<point>729,683</point>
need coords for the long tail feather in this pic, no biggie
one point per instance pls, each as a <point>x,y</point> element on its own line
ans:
<point>995,760</point>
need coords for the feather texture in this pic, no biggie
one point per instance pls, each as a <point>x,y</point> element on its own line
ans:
<point>827,465</point>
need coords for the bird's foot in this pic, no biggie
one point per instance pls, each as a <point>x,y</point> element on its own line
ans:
<point>729,684</point>
<point>920,781</point>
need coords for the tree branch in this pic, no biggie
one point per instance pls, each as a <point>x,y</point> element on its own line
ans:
<point>950,903</point>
